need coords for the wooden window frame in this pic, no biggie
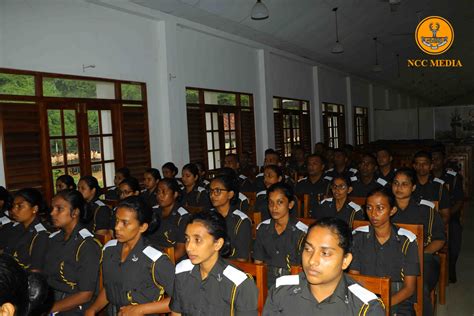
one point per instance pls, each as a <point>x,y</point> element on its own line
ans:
<point>337,116</point>
<point>361,131</point>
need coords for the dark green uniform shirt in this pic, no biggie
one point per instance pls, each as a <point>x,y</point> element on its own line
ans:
<point>349,212</point>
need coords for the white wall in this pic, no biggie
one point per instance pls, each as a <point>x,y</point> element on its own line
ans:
<point>332,86</point>
<point>396,124</point>
<point>360,93</point>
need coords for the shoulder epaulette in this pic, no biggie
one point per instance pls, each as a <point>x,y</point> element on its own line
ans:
<point>407,233</point>
<point>184,266</point>
<point>451,172</point>
<point>5,220</point>
<point>328,178</point>
<point>266,222</point>
<point>329,170</point>
<point>15,224</point>
<point>262,192</point>
<point>235,275</point>
<point>40,228</point>
<point>288,280</point>
<point>152,253</point>
<point>381,181</point>
<point>155,206</point>
<point>438,180</point>
<point>243,197</point>
<point>363,229</point>
<point>302,226</point>
<point>85,233</point>
<point>240,214</point>
<point>206,182</point>
<point>241,176</point>
<point>302,179</point>
<point>326,200</point>
<point>354,179</point>
<point>110,243</point>
<point>353,170</point>
<point>200,189</point>
<point>355,206</point>
<point>259,175</point>
<point>362,293</point>
<point>99,202</point>
<point>143,191</point>
<point>54,234</point>
<point>181,211</point>
<point>427,203</point>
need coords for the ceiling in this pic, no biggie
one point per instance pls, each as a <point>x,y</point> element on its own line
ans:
<point>307,28</point>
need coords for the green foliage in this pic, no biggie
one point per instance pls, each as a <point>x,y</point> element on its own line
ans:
<point>131,92</point>
<point>56,87</point>
<point>192,96</point>
<point>17,84</point>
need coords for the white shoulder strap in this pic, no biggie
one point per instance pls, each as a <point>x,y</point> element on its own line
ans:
<point>4,220</point>
<point>326,200</point>
<point>288,280</point>
<point>100,203</point>
<point>182,211</point>
<point>355,206</point>
<point>262,192</point>
<point>54,234</point>
<point>452,172</point>
<point>302,179</point>
<point>40,228</point>
<point>184,266</point>
<point>266,222</point>
<point>407,233</point>
<point>302,226</point>
<point>240,214</point>
<point>152,253</point>
<point>381,181</point>
<point>242,197</point>
<point>85,233</point>
<point>235,275</point>
<point>438,180</point>
<point>427,203</point>
<point>364,229</point>
<point>362,293</point>
<point>110,243</point>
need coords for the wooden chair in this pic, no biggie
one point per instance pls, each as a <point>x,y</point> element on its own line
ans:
<point>443,264</point>
<point>302,207</point>
<point>418,231</point>
<point>256,218</point>
<point>259,272</point>
<point>170,252</point>
<point>194,209</point>
<point>358,200</point>
<point>307,221</point>
<point>252,196</point>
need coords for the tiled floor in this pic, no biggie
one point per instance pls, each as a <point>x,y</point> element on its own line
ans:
<point>460,296</point>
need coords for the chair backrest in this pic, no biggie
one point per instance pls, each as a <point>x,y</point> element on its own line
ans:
<point>358,200</point>
<point>194,209</point>
<point>252,196</point>
<point>259,272</point>
<point>170,252</point>
<point>306,221</point>
<point>302,207</point>
<point>378,285</point>
<point>256,218</point>
<point>418,231</point>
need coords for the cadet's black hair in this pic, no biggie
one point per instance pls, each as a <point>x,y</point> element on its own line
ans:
<point>285,188</point>
<point>216,227</point>
<point>76,200</point>
<point>192,168</point>
<point>24,290</point>
<point>7,199</point>
<point>338,227</point>
<point>371,156</point>
<point>277,170</point>
<point>143,210</point>
<point>226,171</point>
<point>33,197</point>
<point>200,166</point>
<point>124,171</point>
<point>230,183</point>
<point>170,166</point>
<point>439,148</point>
<point>386,149</point>
<point>67,180</point>
<point>423,154</point>
<point>343,178</point>
<point>171,184</point>
<point>155,173</point>
<point>270,151</point>
<point>340,150</point>
<point>321,158</point>
<point>132,183</point>
<point>92,183</point>
<point>408,172</point>
<point>385,192</point>
<point>235,156</point>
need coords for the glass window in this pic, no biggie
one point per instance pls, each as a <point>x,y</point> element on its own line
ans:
<point>72,88</point>
<point>17,84</point>
<point>131,91</point>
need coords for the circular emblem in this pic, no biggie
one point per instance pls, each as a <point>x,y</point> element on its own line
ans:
<point>434,35</point>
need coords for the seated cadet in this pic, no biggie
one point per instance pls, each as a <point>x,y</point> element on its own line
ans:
<point>136,275</point>
<point>454,184</point>
<point>272,174</point>
<point>6,202</point>
<point>128,187</point>
<point>315,184</point>
<point>64,182</point>
<point>151,176</point>
<point>73,255</point>
<point>279,239</point>
<point>341,166</point>
<point>320,148</point>
<point>271,158</point>
<point>223,190</point>
<point>365,180</point>
<point>384,250</point>
<point>329,156</point>
<point>339,205</point>
<point>428,187</point>
<point>173,218</point>
<point>247,167</point>
<point>410,211</point>
<point>113,192</point>
<point>203,182</point>
<point>232,161</point>
<point>25,238</point>
<point>170,171</point>
<point>241,202</point>
<point>193,194</point>
<point>384,162</point>
<point>101,214</point>
<point>206,284</point>
<point>297,164</point>
<point>323,288</point>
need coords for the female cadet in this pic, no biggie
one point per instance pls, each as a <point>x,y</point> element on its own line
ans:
<point>422,213</point>
<point>279,239</point>
<point>169,170</point>
<point>322,288</point>
<point>151,178</point>
<point>382,249</point>
<point>99,212</point>
<point>173,218</point>
<point>64,182</point>
<point>271,174</point>
<point>205,284</point>
<point>128,187</point>
<point>136,275</point>
<point>26,238</point>
<point>223,190</point>
<point>193,194</point>
<point>339,205</point>
<point>113,192</point>
<point>73,256</point>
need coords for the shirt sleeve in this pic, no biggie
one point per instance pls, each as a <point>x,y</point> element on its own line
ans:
<point>411,264</point>
<point>103,218</point>
<point>204,200</point>
<point>38,253</point>
<point>182,222</point>
<point>242,244</point>
<point>356,253</point>
<point>88,265</point>
<point>258,248</point>
<point>444,200</point>
<point>164,273</point>
<point>271,304</point>
<point>437,231</point>
<point>246,303</point>
<point>375,309</point>
<point>175,303</point>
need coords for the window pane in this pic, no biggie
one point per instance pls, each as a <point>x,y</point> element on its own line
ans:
<point>57,152</point>
<point>210,160</point>
<point>244,100</point>
<point>131,91</point>
<point>75,173</point>
<point>72,151</point>
<point>215,124</point>
<point>93,122</point>
<point>209,141</point>
<point>305,106</point>
<point>72,88</point>
<point>108,148</point>
<point>227,140</point>
<point>106,120</point>
<point>109,174</point>
<point>291,104</point>
<point>216,140</point>
<point>233,140</point>
<point>17,84</point>
<point>192,96</point>
<point>220,98</point>
<point>54,122</point>
<point>226,121</point>
<point>217,157</point>
<point>232,121</point>
<point>70,127</point>
<point>95,149</point>
<point>56,173</point>
<point>208,121</point>
<point>276,103</point>
<point>98,173</point>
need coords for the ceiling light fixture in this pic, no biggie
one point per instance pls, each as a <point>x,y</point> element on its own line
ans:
<point>376,67</point>
<point>338,48</point>
<point>259,11</point>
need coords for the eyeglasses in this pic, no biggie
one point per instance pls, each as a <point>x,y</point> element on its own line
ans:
<point>339,186</point>
<point>216,191</point>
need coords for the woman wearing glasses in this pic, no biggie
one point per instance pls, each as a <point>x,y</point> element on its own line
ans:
<point>339,205</point>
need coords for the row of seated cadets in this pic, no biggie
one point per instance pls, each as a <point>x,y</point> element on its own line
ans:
<point>271,158</point>
<point>365,181</point>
